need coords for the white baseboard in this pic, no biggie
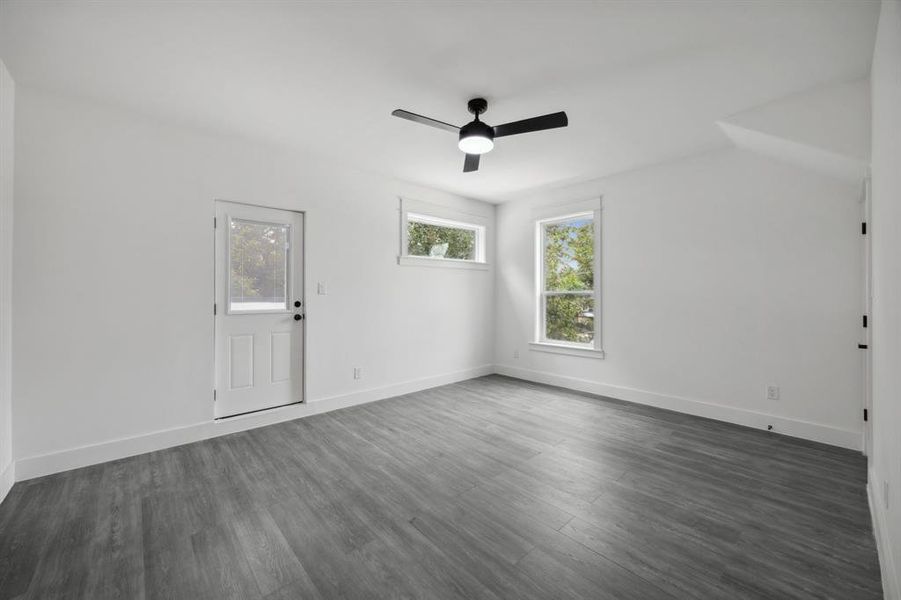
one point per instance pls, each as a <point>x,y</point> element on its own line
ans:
<point>7,479</point>
<point>792,427</point>
<point>891,585</point>
<point>46,464</point>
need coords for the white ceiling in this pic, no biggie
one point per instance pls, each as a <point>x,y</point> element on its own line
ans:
<point>641,81</point>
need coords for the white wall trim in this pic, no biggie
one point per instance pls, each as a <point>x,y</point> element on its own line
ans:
<point>891,585</point>
<point>7,479</point>
<point>792,427</point>
<point>55,462</point>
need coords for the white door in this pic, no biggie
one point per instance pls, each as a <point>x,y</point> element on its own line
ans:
<point>258,308</point>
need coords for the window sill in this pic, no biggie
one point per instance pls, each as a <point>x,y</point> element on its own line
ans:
<point>564,349</point>
<point>442,263</point>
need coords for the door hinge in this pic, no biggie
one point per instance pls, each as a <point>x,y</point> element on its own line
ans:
<point>866,417</point>
<point>863,228</point>
<point>862,346</point>
<point>214,394</point>
<point>214,308</point>
<point>214,222</point>
<point>864,320</point>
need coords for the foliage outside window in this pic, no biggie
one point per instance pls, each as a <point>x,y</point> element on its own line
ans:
<point>442,239</point>
<point>258,266</point>
<point>567,293</point>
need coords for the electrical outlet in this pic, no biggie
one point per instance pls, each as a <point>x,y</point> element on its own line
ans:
<point>885,493</point>
<point>516,354</point>
<point>772,392</point>
<point>321,288</point>
<point>358,372</point>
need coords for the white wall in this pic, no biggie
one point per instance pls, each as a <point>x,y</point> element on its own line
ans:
<point>113,280</point>
<point>7,110</point>
<point>722,273</point>
<point>885,468</point>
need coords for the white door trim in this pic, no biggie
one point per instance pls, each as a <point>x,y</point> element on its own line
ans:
<point>867,354</point>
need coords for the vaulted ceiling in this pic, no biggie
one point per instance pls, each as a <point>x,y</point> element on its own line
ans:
<point>642,82</point>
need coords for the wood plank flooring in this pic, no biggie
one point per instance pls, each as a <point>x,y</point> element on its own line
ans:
<point>491,488</point>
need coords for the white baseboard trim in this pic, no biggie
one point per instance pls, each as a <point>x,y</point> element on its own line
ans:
<point>891,585</point>
<point>792,427</point>
<point>7,479</point>
<point>55,462</point>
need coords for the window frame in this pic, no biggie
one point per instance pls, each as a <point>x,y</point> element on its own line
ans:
<point>540,342</point>
<point>442,217</point>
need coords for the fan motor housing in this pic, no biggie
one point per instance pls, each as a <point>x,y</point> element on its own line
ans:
<point>478,129</point>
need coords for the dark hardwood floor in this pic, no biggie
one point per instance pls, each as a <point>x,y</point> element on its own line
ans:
<point>490,488</point>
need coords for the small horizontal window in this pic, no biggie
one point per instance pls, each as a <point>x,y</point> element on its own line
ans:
<point>438,239</point>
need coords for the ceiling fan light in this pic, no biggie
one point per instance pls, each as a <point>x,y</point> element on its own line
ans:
<point>476,138</point>
<point>475,144</point>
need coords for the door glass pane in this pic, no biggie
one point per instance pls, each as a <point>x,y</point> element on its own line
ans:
<point>569,255</point>
<point>569,318</point>
<point>258,266</point>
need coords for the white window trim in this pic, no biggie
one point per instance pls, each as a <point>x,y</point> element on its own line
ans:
<point>570,349</point>
<point>444,263</point>
<point>556,214</point>
<point>427,213</point>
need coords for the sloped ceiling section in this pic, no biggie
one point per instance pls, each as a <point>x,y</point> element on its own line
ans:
<point>825,129</point>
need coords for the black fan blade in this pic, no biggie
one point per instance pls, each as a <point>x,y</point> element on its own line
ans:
<point>471,163</point>
<point>551,121</point>
<point>404,114</point>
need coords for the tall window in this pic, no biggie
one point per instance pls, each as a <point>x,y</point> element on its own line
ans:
<point>568,285</point>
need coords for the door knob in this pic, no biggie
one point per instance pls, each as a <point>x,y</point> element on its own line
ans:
<point>298,317</point>
<point>297,304</point>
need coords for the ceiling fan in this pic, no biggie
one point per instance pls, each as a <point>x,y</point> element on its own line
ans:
<point>477,137</point>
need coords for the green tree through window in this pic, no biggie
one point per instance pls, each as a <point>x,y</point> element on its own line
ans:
<point>568,294</point>
<point>427,239</point>
<point>258,265</point>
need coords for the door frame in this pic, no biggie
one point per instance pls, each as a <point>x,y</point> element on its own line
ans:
<point>867,313</point>
<point>303,298</point>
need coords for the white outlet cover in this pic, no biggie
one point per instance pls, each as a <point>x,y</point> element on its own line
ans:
<point>321,289</point>
<point>772,392</point>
